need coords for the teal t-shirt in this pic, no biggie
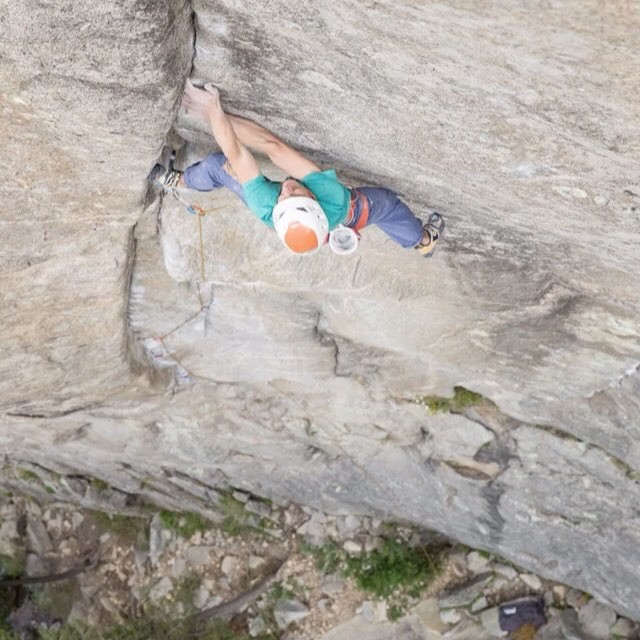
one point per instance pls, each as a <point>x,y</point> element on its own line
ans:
<point>261,195</point>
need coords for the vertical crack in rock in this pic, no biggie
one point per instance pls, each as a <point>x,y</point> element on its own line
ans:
<point>493,519</point>
<point>175,68</point>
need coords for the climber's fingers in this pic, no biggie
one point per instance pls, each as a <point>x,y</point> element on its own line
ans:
<point>214,91</point>
<point>199,102</point>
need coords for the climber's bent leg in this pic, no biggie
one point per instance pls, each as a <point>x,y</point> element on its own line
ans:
<point>393,216</point>
<point>212,172</point>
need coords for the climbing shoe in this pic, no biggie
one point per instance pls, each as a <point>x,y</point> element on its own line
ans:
<point>432,229</point>
<point>167,178</point>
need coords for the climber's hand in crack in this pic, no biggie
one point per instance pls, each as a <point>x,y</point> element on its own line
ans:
<point>205,104</point>
<point>201,102</point>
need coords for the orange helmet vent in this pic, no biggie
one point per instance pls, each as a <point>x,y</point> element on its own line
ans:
<point>300,238</point>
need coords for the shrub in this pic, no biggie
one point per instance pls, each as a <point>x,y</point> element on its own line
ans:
<point>395,572</point>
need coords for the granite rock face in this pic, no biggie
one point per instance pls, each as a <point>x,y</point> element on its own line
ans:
<point>132,354</point>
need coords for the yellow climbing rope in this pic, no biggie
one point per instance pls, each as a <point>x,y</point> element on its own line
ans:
<point>200,212</point>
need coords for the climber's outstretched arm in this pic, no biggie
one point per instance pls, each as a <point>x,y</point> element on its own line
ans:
<point>252,135</point>
<point>280,153</point>
<point>207,101</point>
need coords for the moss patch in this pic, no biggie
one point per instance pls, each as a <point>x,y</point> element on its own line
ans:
<point>130,529</point>
<point>184,524</point>
<point>11,566</point>
<point>29,476</point>
<point>462,398</point>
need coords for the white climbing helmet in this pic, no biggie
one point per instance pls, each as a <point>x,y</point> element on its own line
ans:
<point>301,224</point>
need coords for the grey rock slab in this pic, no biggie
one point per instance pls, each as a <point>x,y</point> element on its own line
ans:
<point>161,589</point>
<point>359,628</point>
<point>532,581</point>
<point>38,537</point>
<point>259,508</point>
<point>428,614</point>
<point>404,630</point>
<point>9,537</point>
<point>332,585</point>
<point>286,612</point>
<point>257,626</point>
<point>490,619</point>
<point>468,630</point>
<point>255,562</point>
<point>367,610</point>
<point>198,555</point>
<point>352,547</point>
<point>36,566</point>
<point>624,628</point>
<point>476,562</point>
<point>575,598</point>
<point>570,627</point>
<point>597,619</point>
<point>90,126</point>
<point>230,566</point>
<point>157,541</point>
<point>465,594</point>
<point>505,571</point>
<point>305,371</point>
<point>201,597</point>
<point>178,567</point>
<point>347,525</point>
<point>453,436</point>
<point>450,616</point>
<point>551,631</point>
<point>479,605</point>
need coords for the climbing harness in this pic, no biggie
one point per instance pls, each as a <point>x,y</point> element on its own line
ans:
<point>434,228</point>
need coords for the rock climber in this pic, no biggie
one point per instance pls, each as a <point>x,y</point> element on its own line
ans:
<point>308,208</point>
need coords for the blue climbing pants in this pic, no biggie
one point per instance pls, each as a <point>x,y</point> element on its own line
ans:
<point>386,210</point>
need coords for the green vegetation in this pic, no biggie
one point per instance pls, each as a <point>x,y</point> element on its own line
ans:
<point>329,557</point>
<point>28,475</point>
<point>184,524</point>
<point>9,601</point>
<point>238,521</point>
<point>142,629</point>
<point>396,572</point>
<point>286,590</point>
<point>56,598</point>
<point>235,517</point>
<point>462,398</point>
<point>131,529</point>
<point>396,565</point>
<point>396,611</point>
<point>185,591</point>
<point>99,485</point>
<point>11,566</point>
